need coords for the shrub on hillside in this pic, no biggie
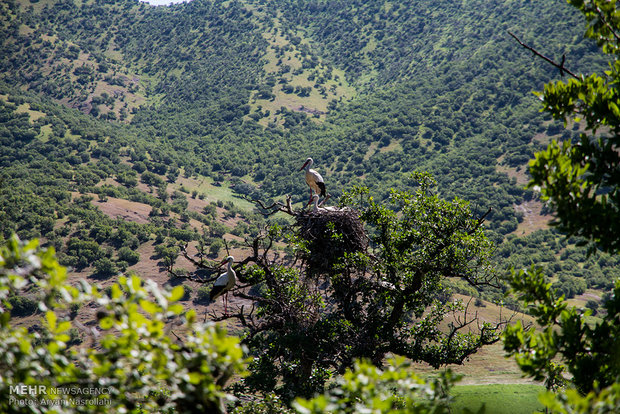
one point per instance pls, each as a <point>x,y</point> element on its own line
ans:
<point>128,255</point>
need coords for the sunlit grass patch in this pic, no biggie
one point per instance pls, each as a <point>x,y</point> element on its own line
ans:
<point>498,398</point>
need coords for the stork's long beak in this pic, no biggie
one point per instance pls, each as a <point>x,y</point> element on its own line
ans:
<point>303,166</point>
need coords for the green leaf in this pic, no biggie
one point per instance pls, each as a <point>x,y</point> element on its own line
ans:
<point>106,323</point>
<point>135,283</point>
<point>176,308</point>
<point>116,291</point>
<point>149,306</point>
<point>195,377</point>
<point>176,293</point>
<point>63,326</point>
<point>51,318</point>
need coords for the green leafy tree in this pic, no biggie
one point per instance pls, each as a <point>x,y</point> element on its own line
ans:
<point>581,181</point>
<point>567,343</point>
<point>168,254</point>
<point>607,401</point>
<point>105,267</point>
<point>314,320</point>
<point>128,255</point>
<point>134,361</point>
<point>393,390</point>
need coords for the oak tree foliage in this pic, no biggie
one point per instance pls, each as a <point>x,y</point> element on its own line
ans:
<point>308,323</point>
<point>581,180</point>
<point>577,357</point>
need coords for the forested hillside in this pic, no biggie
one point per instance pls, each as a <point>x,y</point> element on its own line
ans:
<point>242,92</point>
<point>129,133</point>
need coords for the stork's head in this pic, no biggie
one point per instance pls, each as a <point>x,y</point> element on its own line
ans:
<point>308,163</point>
<point>229,259</point>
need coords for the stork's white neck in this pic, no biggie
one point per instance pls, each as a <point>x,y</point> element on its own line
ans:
<point>230,270</point>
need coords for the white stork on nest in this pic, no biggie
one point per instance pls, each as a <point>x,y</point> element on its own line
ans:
<point>314,179</point>
<point>225,282</point>
<point>316,208</point>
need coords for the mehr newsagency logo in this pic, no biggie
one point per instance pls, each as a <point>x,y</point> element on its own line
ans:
<point>23,395</point>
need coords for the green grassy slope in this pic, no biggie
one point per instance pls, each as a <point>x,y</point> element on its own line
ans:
<point>497,398</point>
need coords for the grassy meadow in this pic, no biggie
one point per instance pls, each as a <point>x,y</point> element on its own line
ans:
<point>497,398</point>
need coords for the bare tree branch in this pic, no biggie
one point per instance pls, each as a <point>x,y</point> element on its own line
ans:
<point>480,221</point>
<point>276,207</point>
<point>191,277</point>
<point>239,315</point>
<point>560,66</point>
<point>226,245</point>
<point>254,298</point>
<point>200,264</point>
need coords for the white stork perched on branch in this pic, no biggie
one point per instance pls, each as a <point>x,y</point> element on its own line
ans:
<point>224,283</point>
<point>314,179</point>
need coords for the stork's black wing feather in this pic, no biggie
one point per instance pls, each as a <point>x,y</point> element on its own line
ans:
<point>322,188</point>
<point>216,291</point>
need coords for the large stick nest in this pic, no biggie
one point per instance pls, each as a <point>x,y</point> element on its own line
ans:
<point>329,235</point>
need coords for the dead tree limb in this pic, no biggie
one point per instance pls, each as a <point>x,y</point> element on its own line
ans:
<point>199,264</point>
<point>191,277</point>
<point>276,207</point>
<point>239,315</point>
<point>480,221</point>
<point>560,66</point>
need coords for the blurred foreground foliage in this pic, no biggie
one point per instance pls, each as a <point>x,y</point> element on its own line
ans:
<point>133,356</point>
<point>140,365</point>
